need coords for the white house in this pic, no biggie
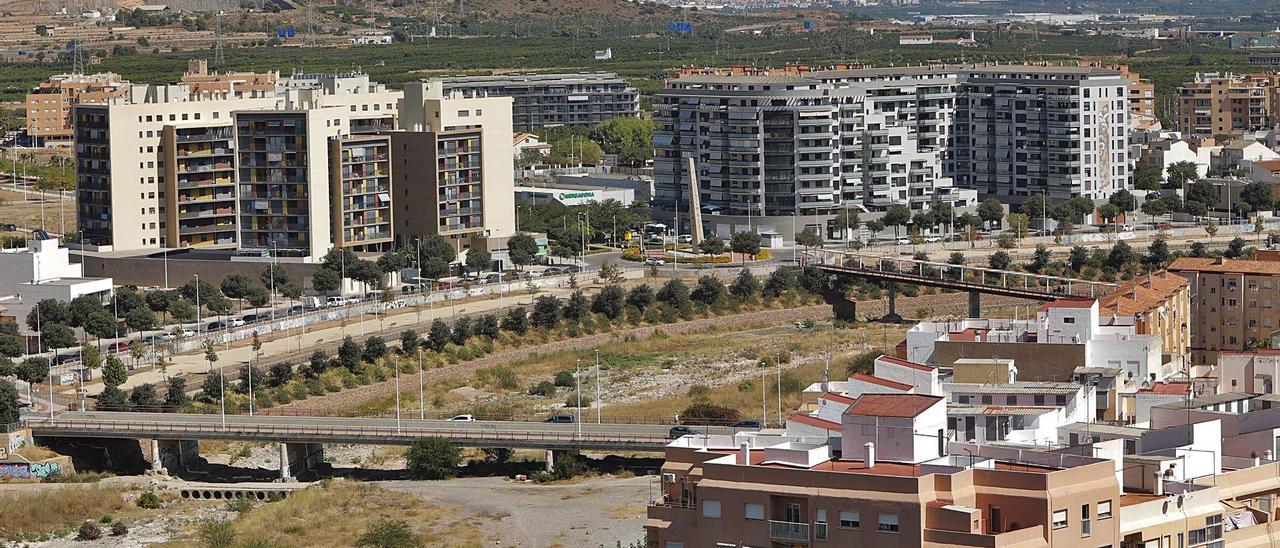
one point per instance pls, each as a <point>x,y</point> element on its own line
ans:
<point>923,379</point>
<point>1237,153</point>
<point>43,270</point>
<point>909,428</point>
<point>1167,153</point>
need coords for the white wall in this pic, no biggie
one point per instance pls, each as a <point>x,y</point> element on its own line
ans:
<point>923,382</point>
<point>897,439</point>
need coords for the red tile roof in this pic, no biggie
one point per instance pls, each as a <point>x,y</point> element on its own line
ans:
<point>1175,388</point>
<point>892,405</point>
<point>1069,302</point>
<point>905,363</point>
<point>836,398</point>
<point>804,418</point>
<point>1142,294</point>
<point>882,382</point>
<point>1222,266</point>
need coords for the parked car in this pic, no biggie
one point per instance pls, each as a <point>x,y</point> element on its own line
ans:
<point>334,301</point>
<point>296,309</point>
<point>572,269</point>
<point>65,358</point>
<point>492,278</point>
<point>559,419</point>
<point>656,239</point>
<point>118,346</point>
<point>9,227</point>
<point>250,318</point>
<point>217,325</point>
<point>551,271</point>
<point>746,423</point>
<point>235,322</point>
<point>464,418</point>
<point>681,431</point>
<point>903,241</point>
<point>685,238</point>
<point>654,261</point>
<point>932,239</point>
<point>187,333</point>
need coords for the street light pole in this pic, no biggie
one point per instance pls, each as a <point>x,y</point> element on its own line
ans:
<point>577,388</point>
<point>197,305</point>
<point>250,387</point>
<point>222,391</point>
<point>422,394</point>
<point>598,404</point>
<point>397,366</point>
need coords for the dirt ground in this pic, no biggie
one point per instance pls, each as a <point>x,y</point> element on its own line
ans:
<point>605,511</point>
<point>23,210</point>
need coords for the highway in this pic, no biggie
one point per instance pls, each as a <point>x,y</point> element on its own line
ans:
<point>179,426</point>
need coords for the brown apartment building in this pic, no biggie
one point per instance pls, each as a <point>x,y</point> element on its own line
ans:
<point>1160,304</point>
<point>1142,93</point>
<point>1234,303</point>
<point>1227,104</point>
<point>49,104</point>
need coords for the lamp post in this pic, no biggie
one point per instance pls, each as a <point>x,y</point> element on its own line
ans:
<point>598,404</point>
<point>397,366</point>
<point>222,391</point>
<point>197,276</point>
<point>250,362</point>
<point>577,388</point>
<point>422,393</point>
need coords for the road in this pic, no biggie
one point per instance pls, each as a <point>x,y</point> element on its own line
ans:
<point>96,424</point>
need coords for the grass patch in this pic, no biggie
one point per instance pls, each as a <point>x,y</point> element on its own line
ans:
<point>336,513</point>
<point>56,512</point>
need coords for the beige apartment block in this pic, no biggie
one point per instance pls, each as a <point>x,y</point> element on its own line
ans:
<point>1226,104</point>
<point>1233,303</point>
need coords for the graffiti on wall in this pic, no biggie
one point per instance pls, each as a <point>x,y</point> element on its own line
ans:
<point>30,470</point>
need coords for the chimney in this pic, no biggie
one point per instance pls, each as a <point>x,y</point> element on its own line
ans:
<point>744,454</point>
<point>1159,488</point>
<point>871,454</point>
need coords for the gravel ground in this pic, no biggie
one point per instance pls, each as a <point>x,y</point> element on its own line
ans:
<point>588,514</point>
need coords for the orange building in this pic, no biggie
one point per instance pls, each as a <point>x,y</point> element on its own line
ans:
<point>228,85</point>
<point>1233,303</point>
<point>1160,304</point>
<point>49,104</point>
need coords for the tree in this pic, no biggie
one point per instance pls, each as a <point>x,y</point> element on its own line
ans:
<point>325,280</point>
<point>374,349</point>
<point>516,321</point>
<point>521,249</point>
<point>745,285</point>
<point>478,259</point>
<point>234,285</point>
<point>1124,200</point>
<point>1157,254</point>
<point>1120,256</point>
<point>1109,212</point>
<point>183,310</point>
<point>213,385</point>
<point>631,139</point>
<point>11,344</point>
<point>1179,173</point>
<point>141,319</point>
<point>991,211</point>
<point>432,459</point>
<point>58,336</point>
<point>279,374</point>
<point>9,412</point>
<point>389,533</point>
<point>409,342</point>
<point>349,353</point>
<point>609,302</point>
<point>641,296</point>
<point>113,398</point>
<point>847,217</point>
<point>144,397</point>
<point>1203,192</point>
<point>274,275</point>
<point>897,215</point>
<point>48,311</point>
<point>460,331</point>
<point>1000,260</point>
<point>161,300</point>
<point>488,327</point>
<point>82,308</point>
<point>576,307</point>
<point>546,312</point>
<point>438,335</point>
<point>114,372</point>
<point>808,238</point>
<point>1235,249</point>
<point>1035,206</point>
<point>1039,260</point>
<point>609,272</point>
<point>175,395</point>
<point>1147,177</point>
<point>711,245</point>
<point>208,295</point>
<point>709,291</point>
<point>1078,257</point>
<point>1019,224</point>
<point>675,294</point>
<point>1258,195</point>
<point>317,363</point>
<point>91,358</point>
<point>257,296</point>
<point>392,262</point>
<point>1198,249</point>
<point>747,243</point>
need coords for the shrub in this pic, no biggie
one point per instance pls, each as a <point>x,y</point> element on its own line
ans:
<point>389,533</point>
<point>706,413</point>
<point>544,388</point>
<point>149,500</point>
<point>632,254</point>
<point>564,378</point>
<point>433,458</point>
<point>214,533</point>
<point>89,531</point>
<point>119,529</point>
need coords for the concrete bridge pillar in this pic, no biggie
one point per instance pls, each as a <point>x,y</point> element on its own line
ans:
<point>174,454</point>
<point>891,315</point>
<point>299,457</point>
<point>551,461</point>
<point>975,304</point>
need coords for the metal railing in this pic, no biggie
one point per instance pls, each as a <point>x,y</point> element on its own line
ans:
<point>788,530</point>
<point>950,273</point>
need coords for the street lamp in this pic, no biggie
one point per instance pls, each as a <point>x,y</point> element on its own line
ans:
<point>397,366</point>
<point>577,388</point>
<point>197,305</point>
<point>598,404</point>
<point>222,391</point>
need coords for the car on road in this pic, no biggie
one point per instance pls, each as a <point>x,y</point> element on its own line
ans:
<point>654,261</point>
<point>572,269</point>
<point>168,336</point>
<point>746,423</point>
<point>685,238</point>
<point>551,271</point>
<point>217,325</point>
<point>903,241</point>
<point>235,322</point>
<point>118,346</point>
<point>65,358</point>
<point>464,418</point>
<point>656,239</point>
<point>681,431</point>
<point>562,419</point>
<point>932,239</point>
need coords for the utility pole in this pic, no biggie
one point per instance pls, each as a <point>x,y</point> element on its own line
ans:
<point>598,404</point>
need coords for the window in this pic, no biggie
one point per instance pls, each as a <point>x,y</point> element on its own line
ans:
<point>1086,528</point>
<point>1068,320</point>
<point>710,508</point>
<point>1039,400</point>
<point>673,544</point>
<point>1104,508</point>
<point>1059,518</point>
<point>850,520</point>
<point>820,525</point>
<point>888,523</point>
<point>753,511</point>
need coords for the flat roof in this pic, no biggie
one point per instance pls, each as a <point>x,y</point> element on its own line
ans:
<point>892,405</point>
<point>1016,388</point>
<point>998,410</point>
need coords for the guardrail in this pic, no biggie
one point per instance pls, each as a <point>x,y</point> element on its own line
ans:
<point>336,434</point>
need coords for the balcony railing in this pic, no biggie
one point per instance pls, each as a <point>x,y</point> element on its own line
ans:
<point>789,530</point>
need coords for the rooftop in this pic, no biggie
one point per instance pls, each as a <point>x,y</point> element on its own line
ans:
<point>905,363</point>
<point>1178,388</point>
<point>1142,294</point>
<point>1021,387</point>
<point>1069,302</point>
<point>879,381</point>
<point>1222,266</point>
<point>804,418</point>
<point>892,405</point>
<point>1000,410</point>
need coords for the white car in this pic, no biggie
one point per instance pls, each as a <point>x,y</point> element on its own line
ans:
<point>186,333</point>
<point>932,239</point>
<point>652,261</point>
<point>903,241</point>
<point>685,239</point>
<point>235,322</point>
<point>464,418</point>
<point>166,336</point>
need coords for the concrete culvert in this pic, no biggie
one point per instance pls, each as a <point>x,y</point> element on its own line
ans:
<point>207,495</point>
<point>260,495</point>
<point>186,494</point>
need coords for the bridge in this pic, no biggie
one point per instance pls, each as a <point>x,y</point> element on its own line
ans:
<point>973,279</point>
<point>172,436</point>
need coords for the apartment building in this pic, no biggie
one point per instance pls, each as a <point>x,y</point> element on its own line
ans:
<point>212,84</point>
<point>550,100</point>
<point>360,183</point>
<point>200,185</point>
<point>49,105</point>
<point>1233,303</point>
<point>1142,93</point>
<point>1026,130</point>
<point>1227,104</point>
<point>1160,304</point>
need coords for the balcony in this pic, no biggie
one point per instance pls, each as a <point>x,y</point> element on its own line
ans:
<point>789,530</point>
